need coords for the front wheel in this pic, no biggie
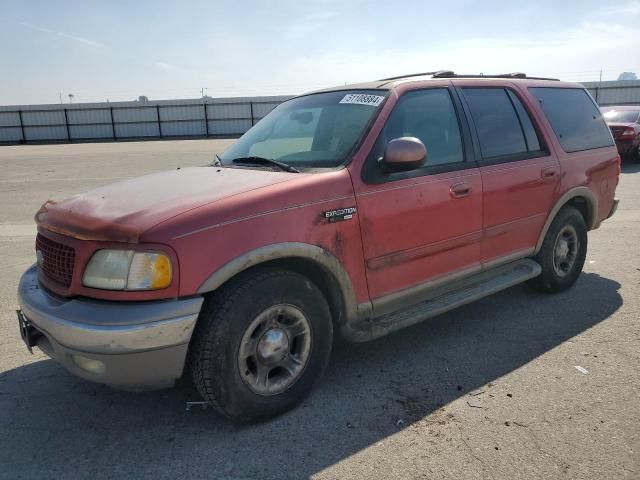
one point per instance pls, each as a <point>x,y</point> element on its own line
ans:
<point>261,344</point>
<point>563,252</point>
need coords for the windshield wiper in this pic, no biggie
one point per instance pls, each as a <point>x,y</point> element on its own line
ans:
<point>266,161</point>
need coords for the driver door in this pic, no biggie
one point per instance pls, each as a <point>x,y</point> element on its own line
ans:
<point>423,224</point>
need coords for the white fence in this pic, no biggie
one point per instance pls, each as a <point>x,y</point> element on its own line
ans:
<point>207,117</point>
<point>617,92</point>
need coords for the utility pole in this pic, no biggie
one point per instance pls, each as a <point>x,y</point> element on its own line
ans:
<point>71,98</point>
<point>203,91</point>
<point>60,95</point>
<point>599,86</point>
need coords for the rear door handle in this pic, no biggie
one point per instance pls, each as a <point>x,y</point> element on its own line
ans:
<point>460,190</point>
<point>548,172</point>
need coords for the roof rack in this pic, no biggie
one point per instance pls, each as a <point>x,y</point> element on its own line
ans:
<point>451,74</point>
<point>408,75</point>
<point>424,74</point>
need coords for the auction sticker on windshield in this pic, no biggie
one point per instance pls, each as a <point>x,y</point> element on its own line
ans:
<point>363,99</point>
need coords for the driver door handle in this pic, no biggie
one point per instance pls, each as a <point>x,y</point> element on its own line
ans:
<point>460,190</point>
<point>548,172</point>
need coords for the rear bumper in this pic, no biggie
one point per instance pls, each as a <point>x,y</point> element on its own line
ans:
<point>126,344</point>
<point>625,147</point>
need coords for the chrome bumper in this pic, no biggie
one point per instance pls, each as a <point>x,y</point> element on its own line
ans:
<point>138,344</point>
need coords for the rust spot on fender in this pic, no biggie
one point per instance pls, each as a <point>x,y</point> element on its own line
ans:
<point>338,244</point>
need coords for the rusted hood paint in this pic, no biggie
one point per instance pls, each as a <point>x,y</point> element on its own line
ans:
<point>122,211</point>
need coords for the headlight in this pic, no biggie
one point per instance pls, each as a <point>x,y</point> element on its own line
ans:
<point>128,270</point>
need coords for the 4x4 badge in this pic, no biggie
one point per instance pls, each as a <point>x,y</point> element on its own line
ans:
<point>340,214</point>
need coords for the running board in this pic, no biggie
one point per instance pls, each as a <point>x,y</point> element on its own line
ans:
<point>471,289</point>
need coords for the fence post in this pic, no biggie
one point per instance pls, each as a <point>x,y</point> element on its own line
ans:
<point>251,108</point>
<point>66,125</point>
<point>113,126</point>
<point>24,139</point>
<point>158,118</point>
<point>206,120</point>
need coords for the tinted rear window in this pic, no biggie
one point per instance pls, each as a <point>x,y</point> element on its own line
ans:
<point>621,116</point>
<point>574,117</point>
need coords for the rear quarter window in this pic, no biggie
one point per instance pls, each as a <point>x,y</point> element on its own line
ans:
<point>574,117</point>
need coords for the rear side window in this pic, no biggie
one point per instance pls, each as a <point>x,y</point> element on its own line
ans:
<point>533,144</point>
<point>504,128</point>
<point>574,117</point>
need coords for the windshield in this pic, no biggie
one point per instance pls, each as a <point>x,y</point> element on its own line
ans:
<point>314,131</point>
<point>621,116</point>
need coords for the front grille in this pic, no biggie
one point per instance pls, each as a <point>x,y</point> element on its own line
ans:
<point>55,260</point>
<point>617,131</point>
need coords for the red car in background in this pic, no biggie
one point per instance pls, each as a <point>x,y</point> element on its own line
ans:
<point>624,122</point>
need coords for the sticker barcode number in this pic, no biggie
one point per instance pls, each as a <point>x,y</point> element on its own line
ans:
<point>362,99</point>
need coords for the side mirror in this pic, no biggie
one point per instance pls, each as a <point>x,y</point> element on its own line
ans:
<point>404,154</point>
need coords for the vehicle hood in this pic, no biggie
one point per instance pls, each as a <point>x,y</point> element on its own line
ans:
<point>122,211</point>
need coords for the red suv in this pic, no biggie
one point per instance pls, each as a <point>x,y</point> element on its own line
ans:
<point>624,122</point>
<point>357,210</point>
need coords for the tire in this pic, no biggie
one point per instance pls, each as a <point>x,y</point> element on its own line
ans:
<point>239,337</point>
<point>567,235</point>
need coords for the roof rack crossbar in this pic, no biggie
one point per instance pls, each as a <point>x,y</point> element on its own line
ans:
<point>499,75</point>
<point>451,74</point>
<point>424,74</point>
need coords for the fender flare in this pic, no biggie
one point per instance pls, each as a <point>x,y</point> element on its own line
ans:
<point>288,250</point>
<point>592,209</point>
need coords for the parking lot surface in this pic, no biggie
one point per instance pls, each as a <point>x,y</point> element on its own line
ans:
<point>490,390</point>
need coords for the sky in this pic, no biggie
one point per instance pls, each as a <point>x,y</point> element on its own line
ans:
<point>118,50</point>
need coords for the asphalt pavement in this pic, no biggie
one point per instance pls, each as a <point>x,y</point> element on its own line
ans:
<point>490,391</point>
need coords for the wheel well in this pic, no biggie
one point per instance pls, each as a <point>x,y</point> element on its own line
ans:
<point>315,272</point>
<point>582,205</point>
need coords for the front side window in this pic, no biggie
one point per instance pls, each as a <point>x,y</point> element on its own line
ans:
<point>428,115</point>
<point>574,117</point>
<point>315,131</point>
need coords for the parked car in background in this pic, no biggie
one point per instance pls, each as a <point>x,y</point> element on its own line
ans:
<point>358,210</point>
<point>624,122</point>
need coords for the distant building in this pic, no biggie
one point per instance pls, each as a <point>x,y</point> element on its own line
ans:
<point>627,76</point>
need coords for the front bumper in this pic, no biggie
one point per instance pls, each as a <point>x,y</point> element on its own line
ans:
<point>614,208</point>
<point>137,344</point>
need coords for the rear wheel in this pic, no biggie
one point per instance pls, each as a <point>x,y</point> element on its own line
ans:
<point>563,252</point>
<point>261,344</point>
